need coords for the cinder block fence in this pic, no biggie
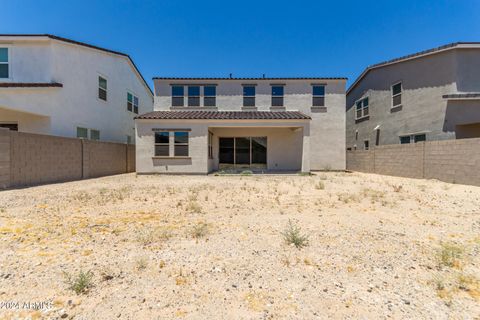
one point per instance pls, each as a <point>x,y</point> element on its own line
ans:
<point>30,159</point>
<point>456,161</point>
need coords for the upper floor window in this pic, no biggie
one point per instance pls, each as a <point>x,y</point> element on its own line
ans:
<point>366,145</point>
<point>318,93</point>
<point>249,96</point>
<point>4,72</point>
<point>102,88</point>
<point>132,103</point>
<point>397,95</point>
<point>361,108</point>
<point>193,96</point>
<point>177,96</point>
<point>277,96</point>
<point>209,96</point>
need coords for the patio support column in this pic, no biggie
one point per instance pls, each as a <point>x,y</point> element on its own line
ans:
<point>306,148</point>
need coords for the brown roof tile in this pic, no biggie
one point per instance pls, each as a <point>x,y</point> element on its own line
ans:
<point>225,115</point>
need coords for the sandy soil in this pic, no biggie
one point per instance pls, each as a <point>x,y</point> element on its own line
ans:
<point>162,247</point>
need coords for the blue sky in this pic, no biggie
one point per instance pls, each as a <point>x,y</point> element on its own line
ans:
<point>251,38</point>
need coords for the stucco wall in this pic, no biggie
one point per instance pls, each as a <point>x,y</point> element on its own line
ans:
<point>327,127</point>
<point>76,104</point>
<point>288,144</point>
<point>424,81</point>
<point>29,159</point>
<point>423,110</point>
<point>455,161</point>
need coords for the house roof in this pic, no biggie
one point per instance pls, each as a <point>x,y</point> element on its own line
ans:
<point>450,46</point>
<point>83,44</point>
<point>248,78</point>
<point>30,85</point>
<point>225,115</point>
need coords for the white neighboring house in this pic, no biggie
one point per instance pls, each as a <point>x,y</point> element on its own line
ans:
<point>57,86</point>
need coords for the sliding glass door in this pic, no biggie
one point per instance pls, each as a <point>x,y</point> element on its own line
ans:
<point>243,151</point>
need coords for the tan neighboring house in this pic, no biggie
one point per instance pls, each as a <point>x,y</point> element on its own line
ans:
<point>200,125</point>
<point>426,96</point>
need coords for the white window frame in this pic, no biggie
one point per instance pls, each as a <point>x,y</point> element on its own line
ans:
<point>364,147</point>
<point>319,96</point>
<point>9,62</point>
<point>133,102</point>
<point>177,96</point>
<point>363,108</point>
<point>99,75</point>
<point>412,137</point>
<point>90,134</point>
<point>282,96</point>
<point>199,97</point>
<point>398,94</point>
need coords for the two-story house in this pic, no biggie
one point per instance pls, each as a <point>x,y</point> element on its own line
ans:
<point>430,95</point>
<point>200,125</point>
<point>57,86</point>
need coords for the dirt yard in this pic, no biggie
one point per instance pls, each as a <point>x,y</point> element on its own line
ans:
<point>215,247</point>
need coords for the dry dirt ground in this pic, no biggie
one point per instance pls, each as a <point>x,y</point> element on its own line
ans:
<point>211,247</point>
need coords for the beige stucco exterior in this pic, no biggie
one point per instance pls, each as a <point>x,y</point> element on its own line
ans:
<point>288,144</point>
<point>425,79</point>
<point>292,145</point>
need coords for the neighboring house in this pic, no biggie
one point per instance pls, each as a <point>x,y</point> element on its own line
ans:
<point>56,86</point>
<point>275,124</point>
<point>430,95</point>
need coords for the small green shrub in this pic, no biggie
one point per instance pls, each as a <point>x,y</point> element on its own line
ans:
<point>293,236</point>
<point>79,283</point>
<point>450,254</point>
<point>246,172</point>
<point>320,185</point>
<point>200,230</point>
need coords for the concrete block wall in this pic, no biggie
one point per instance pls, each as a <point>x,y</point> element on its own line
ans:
<point>30,159</point>
<point>360,160</point>
<point>456,161</point>
<point>404,160</point>
<point>4,158</point>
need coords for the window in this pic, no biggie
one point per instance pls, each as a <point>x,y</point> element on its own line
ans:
<point>419,138</point>
<point>193,96</point>
<point>102,88</point>
<point>162,144</point>
<point>10,126</point>
<point>82,133</point>
<point>132,103</point>
<point>177,96</point>
<point>210,145</point>
<point>249,96</point>
<point>181,144</point>
<point>4,72</point>
<point>366,145</point>
<point>209,96</point>
<point>318,96</point>
<point>413,138</point>
<point>94,134</point>
<point>277,96</point>
<point>356,135</point>
<point>361,108</point>
<point>129,139</point>
<point>397,95</point>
